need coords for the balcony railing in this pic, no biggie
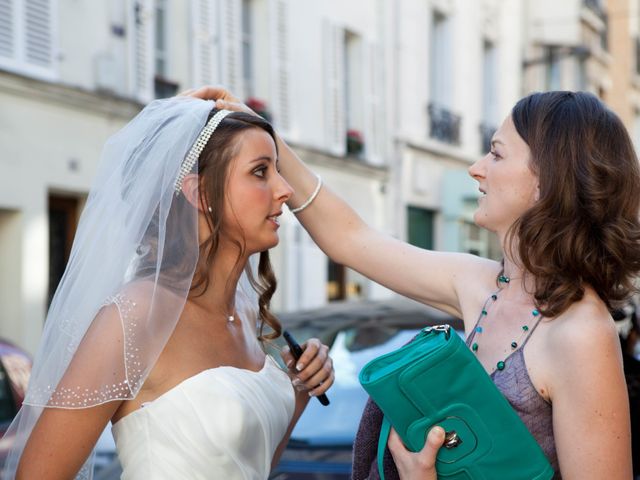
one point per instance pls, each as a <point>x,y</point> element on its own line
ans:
<point>444,125</point>
<point>164,88</point>
<point>595,6</point>
<point>604,34</point>
<point>486,134</point>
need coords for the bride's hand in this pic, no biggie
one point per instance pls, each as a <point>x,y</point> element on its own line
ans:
<point>314,370</point>
<point>223,98</point>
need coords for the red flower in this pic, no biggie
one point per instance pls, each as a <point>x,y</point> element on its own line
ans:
<point>256,104</point>
<point>354,134</point>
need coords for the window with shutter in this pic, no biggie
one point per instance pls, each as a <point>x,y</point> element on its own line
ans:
<point>335,127</point>
<point>489,103</point>
<point>27,40</point>
<point>204,42</point>
<point>280,58</point>
<point>444,124</point>
<point>353,80</point>
<point>142,42</point>
<point>305,281</point>
<point>38,32</point>
<point>374,121</point>
<point>231,44</point>
<point>248,78</point>
<point>7,29</point>
<point>161,50</point>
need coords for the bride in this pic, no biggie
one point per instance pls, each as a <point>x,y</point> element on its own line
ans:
<point>160,322</point>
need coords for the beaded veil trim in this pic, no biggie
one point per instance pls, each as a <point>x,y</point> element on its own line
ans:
<point>122,388</point>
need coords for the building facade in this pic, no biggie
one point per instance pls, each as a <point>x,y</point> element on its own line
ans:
<point>74,72</point>
<point>457,74</point>
<point>390,102</point>
<point>589,45</point>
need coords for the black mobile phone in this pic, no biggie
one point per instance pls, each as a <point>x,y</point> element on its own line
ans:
<point>296,351</point>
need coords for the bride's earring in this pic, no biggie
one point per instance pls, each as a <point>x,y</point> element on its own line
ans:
<point>210,209</point>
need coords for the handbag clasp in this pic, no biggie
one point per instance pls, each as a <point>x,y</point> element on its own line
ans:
<point>451,439</point>
<point>446,329</point>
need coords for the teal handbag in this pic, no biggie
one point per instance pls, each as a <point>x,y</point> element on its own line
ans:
<point>436,380</point>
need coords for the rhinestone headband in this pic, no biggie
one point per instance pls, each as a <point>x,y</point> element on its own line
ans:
<point>196,149</point>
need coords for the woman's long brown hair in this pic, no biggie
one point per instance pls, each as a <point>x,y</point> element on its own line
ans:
<point>584,229</point>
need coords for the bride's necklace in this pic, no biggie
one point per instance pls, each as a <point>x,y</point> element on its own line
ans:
<point>525,328</point>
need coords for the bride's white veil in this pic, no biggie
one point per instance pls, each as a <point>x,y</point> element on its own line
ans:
<point>128,276</point>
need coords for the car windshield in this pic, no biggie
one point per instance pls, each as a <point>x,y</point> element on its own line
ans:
<point>352,348</point>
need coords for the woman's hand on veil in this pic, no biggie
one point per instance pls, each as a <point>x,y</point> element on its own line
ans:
<point>224,98</point>
<point>421,464</point>
<point>314,369</point>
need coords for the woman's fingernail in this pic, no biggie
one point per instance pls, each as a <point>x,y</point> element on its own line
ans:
<point>296,382</point>
<point>300,366</point>
<point>311,394</point>
<point>289,363</point>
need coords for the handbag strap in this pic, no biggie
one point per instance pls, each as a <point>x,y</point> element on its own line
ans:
<point>385,430</point>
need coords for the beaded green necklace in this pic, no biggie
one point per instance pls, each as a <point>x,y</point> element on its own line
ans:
<point>515,343</point>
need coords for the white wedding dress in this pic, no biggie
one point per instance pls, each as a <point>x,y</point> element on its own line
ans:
<point>223,423</point>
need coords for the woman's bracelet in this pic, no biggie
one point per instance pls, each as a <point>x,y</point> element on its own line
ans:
<point>310,199</point>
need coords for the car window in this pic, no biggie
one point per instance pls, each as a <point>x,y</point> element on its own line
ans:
<point>351,350</point>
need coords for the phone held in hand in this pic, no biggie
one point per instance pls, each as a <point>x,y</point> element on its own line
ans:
<point>296,351</point>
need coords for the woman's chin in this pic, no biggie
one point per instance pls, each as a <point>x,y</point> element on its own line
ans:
<point>482,221</point>
<point>478,217</point>
<point>264,245</point>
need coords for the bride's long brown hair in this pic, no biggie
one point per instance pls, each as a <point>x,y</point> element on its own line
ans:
<point>213,169</point>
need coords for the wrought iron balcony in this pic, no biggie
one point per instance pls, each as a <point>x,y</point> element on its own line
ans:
<point>164,88</point>
<point>595,6</point>
<point>486,134</point>
<point>444,125</point>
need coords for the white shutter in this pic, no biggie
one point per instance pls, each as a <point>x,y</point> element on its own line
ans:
<point>37,30</point>
<point>204,42</point>
<point>27,36</point>
<point>7,29</point>
<point>335,108</point>
<point>280,58</point>
<point>373,94</point>
<point>307,271</point>
<point>230,24</point>
<point>142,42</point>
<point>313,283</point>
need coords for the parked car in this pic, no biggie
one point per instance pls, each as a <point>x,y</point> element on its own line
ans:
<point>15,369</point>
<point>321,443</point>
